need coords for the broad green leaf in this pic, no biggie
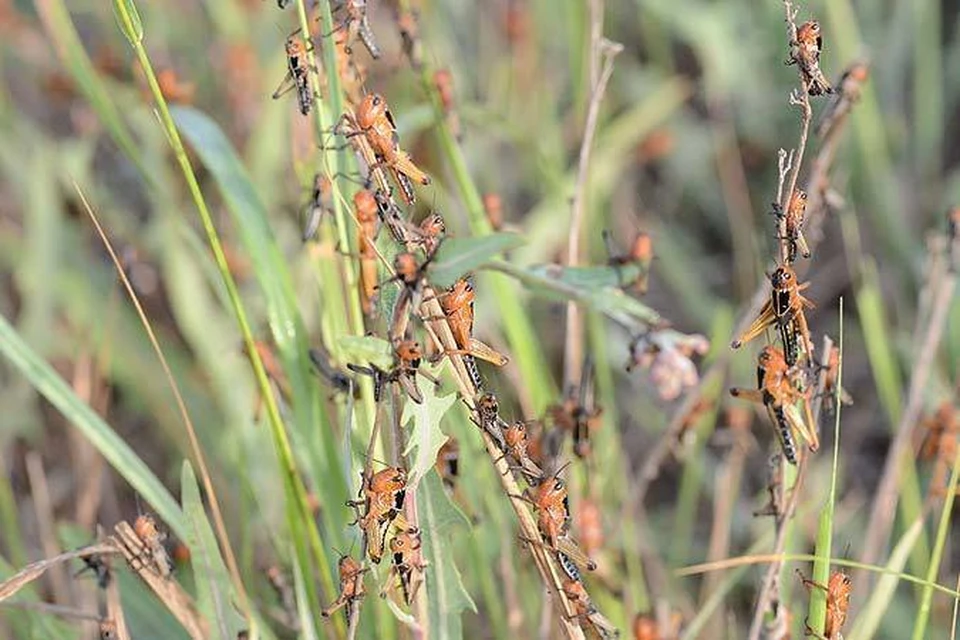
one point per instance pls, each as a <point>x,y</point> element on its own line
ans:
<point>126,462</point>
<point>426,437</point>
<point>446,596</point>
<point>363,350</point>
<point>215,595</point>
<point>458,256</point>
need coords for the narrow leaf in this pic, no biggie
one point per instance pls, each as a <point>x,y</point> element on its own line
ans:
<point>214,590</point>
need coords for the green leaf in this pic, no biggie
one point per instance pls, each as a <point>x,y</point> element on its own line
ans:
<point>215,594</point>
<point>427,437</point>
<point>126,462</point>
<point>308,629</point>
<point>458,256</point>
<point>446,596</point>
<point>365,350</point>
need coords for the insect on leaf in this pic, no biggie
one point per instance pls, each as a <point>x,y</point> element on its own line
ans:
<point>426,437</point>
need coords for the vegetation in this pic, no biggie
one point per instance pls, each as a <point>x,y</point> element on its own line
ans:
<point>241,364</point>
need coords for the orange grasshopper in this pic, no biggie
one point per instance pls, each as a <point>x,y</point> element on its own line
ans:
<point>805,53</point>
<point>443,83</point>
<point>365,209</point>
<point>408,564</point>
<point>784,309</point>
<point>382,496</point>
<point>493,207</point>
<point>430,233</point>
<point>375,122</point>
<point>553,519</point>
<point>585,611</point>
<point>351,586</point>
<point>152,537</point>
<point>408,356</point>
<point>457,304</point>
<point>356,24</point>
<point>838,590</point>
<point>776,392</point>
<point>281,586</point>
<point>515,441</point>
<point>793,225</point>
<point>297,74</point>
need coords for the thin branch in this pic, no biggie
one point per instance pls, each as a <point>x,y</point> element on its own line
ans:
<point>603,50</point>
<point>770,592</point>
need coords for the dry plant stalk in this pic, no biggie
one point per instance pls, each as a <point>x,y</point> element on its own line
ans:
<point>170,593</point>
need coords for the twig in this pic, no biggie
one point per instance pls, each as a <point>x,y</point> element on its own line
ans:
<point>771,581</point>
<point>603,50</point>
<point>885,502</point>
<point>801,99</point>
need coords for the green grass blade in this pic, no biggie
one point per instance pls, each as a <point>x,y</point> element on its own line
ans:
<point>940,543</point>
<point>214,590</point>
<point>821,566</point>
<point>126,462</point>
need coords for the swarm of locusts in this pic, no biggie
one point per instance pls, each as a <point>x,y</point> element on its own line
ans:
<point>525,451</point>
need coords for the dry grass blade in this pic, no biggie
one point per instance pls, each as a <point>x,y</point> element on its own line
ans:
<point>170,593</point>
<point>35,570</point>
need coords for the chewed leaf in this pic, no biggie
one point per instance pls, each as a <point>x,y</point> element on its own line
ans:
<point>364,350</point>
<point>446,596</point>
<point>457,256</point>
<point>426,438</point>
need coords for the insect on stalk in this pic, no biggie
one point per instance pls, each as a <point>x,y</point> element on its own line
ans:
<point>776,392</point>
<point>351,586</point>
<point>375,122</point>
<point>805,53</point>
<point>785,310</point>
<point>838,590</point>
<point>381,501</point>
<point>297,74</point>
<point>408,565</point>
